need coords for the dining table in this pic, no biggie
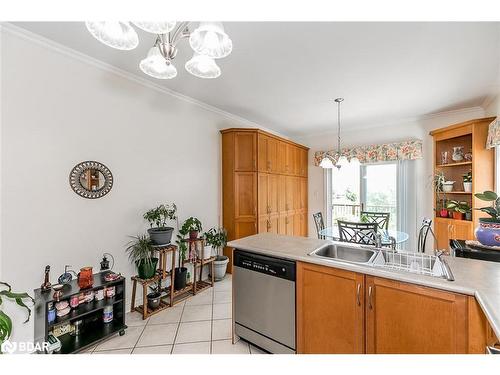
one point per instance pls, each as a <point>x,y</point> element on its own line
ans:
<point>387,235</point>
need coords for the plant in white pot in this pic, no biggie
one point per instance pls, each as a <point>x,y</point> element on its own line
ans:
<point>467,177</point>
<point>157,217</point>
<point>217,238</point>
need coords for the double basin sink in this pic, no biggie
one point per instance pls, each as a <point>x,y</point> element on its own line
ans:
<point>419,263</point>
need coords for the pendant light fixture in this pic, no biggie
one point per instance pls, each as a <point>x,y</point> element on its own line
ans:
<point>208,42</point>
<point>341,159</point>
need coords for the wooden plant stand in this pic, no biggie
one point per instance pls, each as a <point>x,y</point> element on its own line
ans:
<point>161,274</point>
<point>200,285</point>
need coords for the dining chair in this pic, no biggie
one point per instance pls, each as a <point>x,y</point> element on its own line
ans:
<point>422,234</point>
<point>320,224</point>
<point>381,218</point>
<point>362,233</point>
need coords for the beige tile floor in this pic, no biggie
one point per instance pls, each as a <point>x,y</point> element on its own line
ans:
<point>200,325</point>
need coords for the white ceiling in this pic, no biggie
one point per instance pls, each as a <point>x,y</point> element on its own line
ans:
<point>284,75</point>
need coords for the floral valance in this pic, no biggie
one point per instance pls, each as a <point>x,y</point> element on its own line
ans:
<point>493,134</point>
<point>407,150</point>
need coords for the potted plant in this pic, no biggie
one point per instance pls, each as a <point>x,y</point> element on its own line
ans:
<point>448,186</point>
<point>157,217</point>
<point>154,296</point>
<point>459,208</point>
<point>193,227</point>
<point>217,238</point>
<point>180,272</point>
<point>467,177</point>
<point>439,180</point>
<point>140,252</point>
<point>5,320</point>
<point>488,231</point>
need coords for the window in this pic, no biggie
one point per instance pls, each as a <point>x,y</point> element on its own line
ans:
<point>380,187</point>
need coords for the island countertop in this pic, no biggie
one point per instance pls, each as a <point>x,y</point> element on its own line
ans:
<point>472,277</point>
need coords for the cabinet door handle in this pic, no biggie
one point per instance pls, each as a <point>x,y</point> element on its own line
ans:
<point>358,294</point>
<point>370,306</point>
<point>268,225</point>
<point>268,209</point>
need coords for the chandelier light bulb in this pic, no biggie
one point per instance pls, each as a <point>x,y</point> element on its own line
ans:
<point>155,27</point>
<point>326,163</point>
<point>342,161</point>
<point>155,65</point>
<point>210,39</point>
<point>118,34</point>
<point>202,66</point>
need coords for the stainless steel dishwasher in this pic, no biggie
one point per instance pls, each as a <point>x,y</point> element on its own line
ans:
<point>264,301</point>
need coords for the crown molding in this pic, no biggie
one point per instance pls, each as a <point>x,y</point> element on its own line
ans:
<point>67,51</point>
<point>401,121</point>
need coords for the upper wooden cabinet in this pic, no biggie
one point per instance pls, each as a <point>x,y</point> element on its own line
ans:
<point>471,137</point>
<point>330,310</point>
<point>406,318</point>
<point>264,184</point>
<point>245,151</point>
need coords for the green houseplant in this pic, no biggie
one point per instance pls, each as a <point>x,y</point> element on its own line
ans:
<point>157,217</point>
<point>5,320</point>
<point>438,181</point>
<point>140,253</point>
<point>180,273</point>
<point>459,208</point>
<point>467,178</point>
<point>217,238</point>
<point>488,231</point>
<point>193,227</point>
<point>154,295</point>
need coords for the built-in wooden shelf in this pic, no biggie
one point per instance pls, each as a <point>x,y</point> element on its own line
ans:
<point>457,192</point>
<point>454,164</point>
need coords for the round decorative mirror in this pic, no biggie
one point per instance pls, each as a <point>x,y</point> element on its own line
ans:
<point>91,179</point>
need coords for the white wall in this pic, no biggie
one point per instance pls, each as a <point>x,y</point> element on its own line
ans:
<point>409,129</point>
<point>58,111</point>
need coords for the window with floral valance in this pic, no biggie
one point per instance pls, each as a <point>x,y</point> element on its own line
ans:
<point>406,150</point>
<point>493,134</point>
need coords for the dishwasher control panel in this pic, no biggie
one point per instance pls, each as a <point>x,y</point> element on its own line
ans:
<point>277,267</point>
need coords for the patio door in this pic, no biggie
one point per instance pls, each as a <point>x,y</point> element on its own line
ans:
<point>378,189</point>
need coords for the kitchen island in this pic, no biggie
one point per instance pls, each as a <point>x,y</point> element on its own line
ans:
<point>466,309</point>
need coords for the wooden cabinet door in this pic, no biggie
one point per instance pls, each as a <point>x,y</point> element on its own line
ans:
<point>272,155</point>
<point>442,231</point>
<point>304,164</point>
<point>330,307</point>
<point>274,224</point>
<point>289,193</point>
<point>245,149</point>
<point>263,193</point>
<point>303,223</point>
<point>290,159</point>
<point>303,193</point>
<point>296,193</point>
<point>262,153</point>
<point>273,193</point>
<point>282,219</point>
<point>282,157</point>
<point>462,230</point>
<point>297,224</point>
<point>245,189</point>
<point>405,318</point>
<point>289,226</point>
<point>282,194</point>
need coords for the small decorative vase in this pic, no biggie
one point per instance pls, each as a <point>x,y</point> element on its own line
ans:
<point>468,187</point>
<point>458,154</point>
<point>488,232</point>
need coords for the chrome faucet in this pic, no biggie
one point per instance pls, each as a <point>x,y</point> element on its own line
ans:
<point>446,268</point>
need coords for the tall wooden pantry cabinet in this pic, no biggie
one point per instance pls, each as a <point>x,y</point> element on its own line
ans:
<point>264,184</point>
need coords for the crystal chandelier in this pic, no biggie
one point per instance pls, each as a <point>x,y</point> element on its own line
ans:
<point>327,162</point>
<point>208,41</point>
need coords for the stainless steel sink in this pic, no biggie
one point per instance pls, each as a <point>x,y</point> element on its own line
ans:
<point>354,254</point>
